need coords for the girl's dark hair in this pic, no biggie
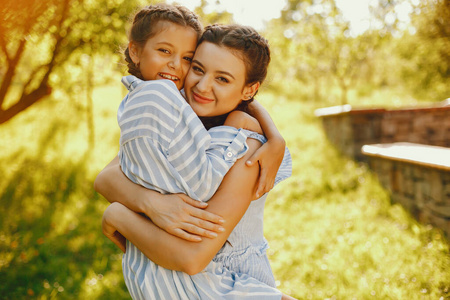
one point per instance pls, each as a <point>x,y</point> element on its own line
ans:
<point>250,46</point>
<point>144,24</point>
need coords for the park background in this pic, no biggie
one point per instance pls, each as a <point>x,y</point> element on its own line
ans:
<point>332,230</point>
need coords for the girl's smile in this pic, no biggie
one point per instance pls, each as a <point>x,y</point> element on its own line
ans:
<point>167,54</point>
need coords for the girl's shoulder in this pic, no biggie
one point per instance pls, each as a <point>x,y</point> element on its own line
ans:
<point>162,90</point>
<point>132,83</point>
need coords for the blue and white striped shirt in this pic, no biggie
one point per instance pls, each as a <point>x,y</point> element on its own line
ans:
<point>164,145</point>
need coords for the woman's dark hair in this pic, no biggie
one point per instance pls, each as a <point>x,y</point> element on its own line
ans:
<point>144,24</point>
<point>247,43</point>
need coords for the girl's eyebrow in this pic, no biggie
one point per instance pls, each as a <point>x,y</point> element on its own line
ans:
<point>170,45</point>
<point>220,72</point>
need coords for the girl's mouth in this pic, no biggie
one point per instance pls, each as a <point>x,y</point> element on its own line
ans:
<point>168,76</point>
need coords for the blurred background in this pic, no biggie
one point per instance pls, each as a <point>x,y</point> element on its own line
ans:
<point>333,231</point>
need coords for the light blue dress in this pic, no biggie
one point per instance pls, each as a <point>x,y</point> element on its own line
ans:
<point>164,147</point>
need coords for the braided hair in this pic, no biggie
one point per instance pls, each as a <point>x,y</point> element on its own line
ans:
<point>144,24</point>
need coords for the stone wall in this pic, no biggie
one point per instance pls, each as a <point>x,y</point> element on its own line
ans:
<point>349,129</point>
<point>417,177</point>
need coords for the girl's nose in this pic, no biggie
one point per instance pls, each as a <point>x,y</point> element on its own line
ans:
<point>174,63</point>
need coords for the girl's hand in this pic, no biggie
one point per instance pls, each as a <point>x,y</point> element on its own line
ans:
<point>269,156</point>
<point>184,217</point>
<point>109,229</point>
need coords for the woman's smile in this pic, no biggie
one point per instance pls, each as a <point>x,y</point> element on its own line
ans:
<point>201,99</point>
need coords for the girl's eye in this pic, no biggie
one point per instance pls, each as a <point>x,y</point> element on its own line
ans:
<point>187,58</point>
<point>164,50</point>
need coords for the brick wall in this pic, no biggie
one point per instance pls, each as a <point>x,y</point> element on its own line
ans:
<point>420,184</point>
<point>349,129</point>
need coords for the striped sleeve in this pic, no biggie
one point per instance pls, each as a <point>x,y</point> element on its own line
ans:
<point>201,157</point>
<point>165,147</point>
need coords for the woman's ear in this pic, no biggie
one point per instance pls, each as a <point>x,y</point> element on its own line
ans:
<point>250,91</point>
<point>133,50</point>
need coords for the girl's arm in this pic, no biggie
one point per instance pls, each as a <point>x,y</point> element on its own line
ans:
<point>271,154</point>
<point>231,201</point>
<point>177,214</point>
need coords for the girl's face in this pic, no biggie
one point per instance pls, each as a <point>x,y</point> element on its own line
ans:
<point>167,54</point>
<point>215,84</point>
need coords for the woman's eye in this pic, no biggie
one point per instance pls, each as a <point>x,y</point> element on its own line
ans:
<point>223,79</point>
<point>164,50</point>
<point>197,69</point>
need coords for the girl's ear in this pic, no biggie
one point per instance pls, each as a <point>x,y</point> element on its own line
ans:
<point>250,91</point>
<point>133,50</point>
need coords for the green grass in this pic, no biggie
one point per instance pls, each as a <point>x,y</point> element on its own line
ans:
<point>332,230</point>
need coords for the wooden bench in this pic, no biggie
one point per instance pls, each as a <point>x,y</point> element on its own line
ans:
<point>417,176</point>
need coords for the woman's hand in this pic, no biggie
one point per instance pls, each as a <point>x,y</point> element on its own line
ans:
<point>183,217</point>
<point>269,156</point>
<point>177,214</point>
<point>109,230</point>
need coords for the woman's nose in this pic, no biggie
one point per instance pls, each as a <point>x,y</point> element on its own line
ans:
<point>204,84</point>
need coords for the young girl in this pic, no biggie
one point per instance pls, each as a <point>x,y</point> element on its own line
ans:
<point>142,133</point>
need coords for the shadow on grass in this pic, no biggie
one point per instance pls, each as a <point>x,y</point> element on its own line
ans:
<point>51,243</point>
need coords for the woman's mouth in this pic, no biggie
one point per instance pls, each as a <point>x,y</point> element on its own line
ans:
<point>168,76</point>
<point>201,99</point>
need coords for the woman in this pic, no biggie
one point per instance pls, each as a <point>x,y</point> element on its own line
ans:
<point>168,254</point>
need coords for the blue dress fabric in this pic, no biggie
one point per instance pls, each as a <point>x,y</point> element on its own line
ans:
<point>165,147</point>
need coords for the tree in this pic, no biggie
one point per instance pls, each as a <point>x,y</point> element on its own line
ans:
<point>320,45</point>
<point>39,39</point>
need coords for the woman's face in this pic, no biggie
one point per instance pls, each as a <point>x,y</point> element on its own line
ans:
<point>215,84</point>
<point>167,54</point>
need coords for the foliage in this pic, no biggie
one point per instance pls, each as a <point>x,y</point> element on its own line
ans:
<point>67,34</point>
<point>405,47</point>
<point>318,46</point>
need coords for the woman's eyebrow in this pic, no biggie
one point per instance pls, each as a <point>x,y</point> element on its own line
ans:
<point>220,72</point>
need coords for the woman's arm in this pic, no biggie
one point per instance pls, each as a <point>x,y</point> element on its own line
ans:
<point>271,154</point>
<point>230,201</point>
<point>177,214</point>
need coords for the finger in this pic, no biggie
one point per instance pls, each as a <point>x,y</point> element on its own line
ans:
<point>193,229</point>
<point>254,158</point>
<point>261,184</point>
<point>206,225</point>
<point>195,203</point>
<point>186,236</point>
<point>207,216</point>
